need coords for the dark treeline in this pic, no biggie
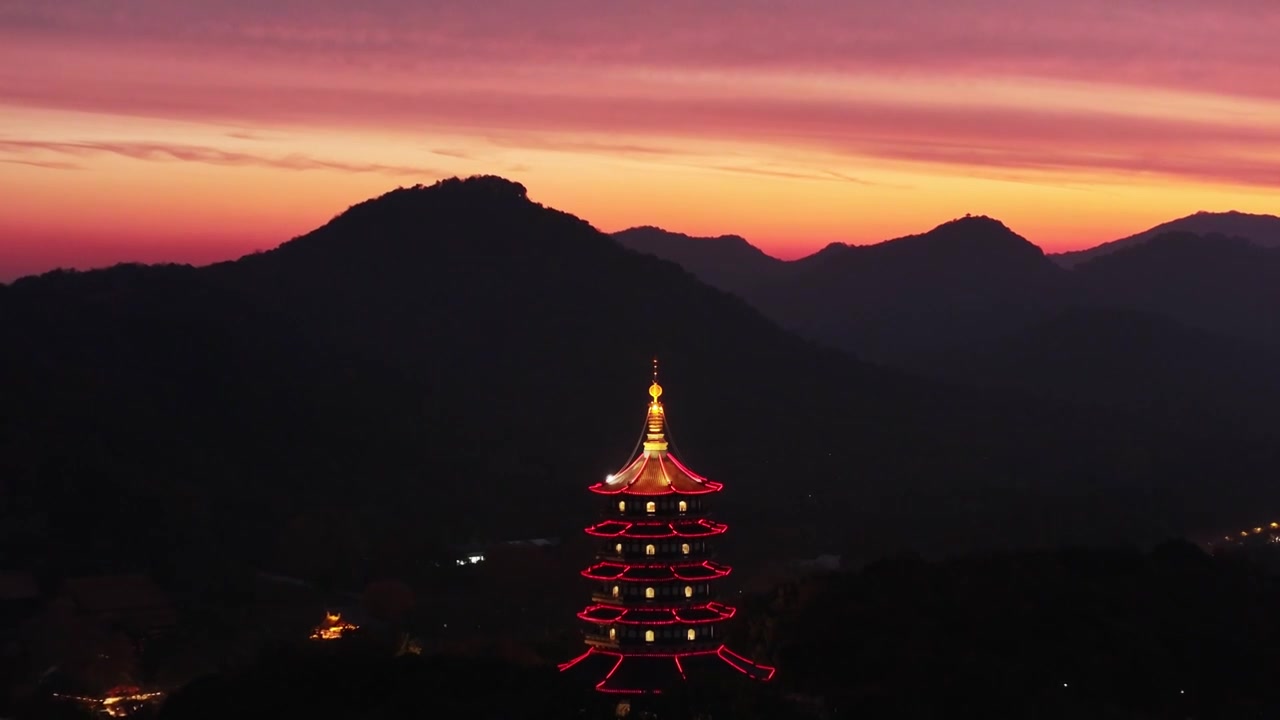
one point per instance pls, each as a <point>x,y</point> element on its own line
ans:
<point>1100,633</point>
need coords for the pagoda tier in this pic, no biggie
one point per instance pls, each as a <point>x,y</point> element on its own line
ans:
<point>655,473</point>
<point>658,672</point>
<point>657,530</point>
<point>654,622</point>
<point>656,572</point>
<point>688,615</point>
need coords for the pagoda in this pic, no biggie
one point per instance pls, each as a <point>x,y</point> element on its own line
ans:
<point>654,625</point>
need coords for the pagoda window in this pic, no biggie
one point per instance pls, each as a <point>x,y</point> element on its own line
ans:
<point>685,548</point>
<point>648,636</point>
<point>684,506</point>
<point>648,592</point>
<point>618,548</point>
<point>616,590</point>
<point>613,634</point>
<point>650,550</point>
<point>651,507</point>
<point>688,591</point>
<point>692,634</point>
<point>622,506</point>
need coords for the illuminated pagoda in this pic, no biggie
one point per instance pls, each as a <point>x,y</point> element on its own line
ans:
<point>654,625</point>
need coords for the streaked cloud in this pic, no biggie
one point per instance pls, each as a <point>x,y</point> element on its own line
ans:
<point>160,152</point>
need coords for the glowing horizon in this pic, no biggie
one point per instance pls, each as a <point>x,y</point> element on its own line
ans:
<point>172,130</point>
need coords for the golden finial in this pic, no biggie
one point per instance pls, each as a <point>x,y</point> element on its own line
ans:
<point>655,390</point>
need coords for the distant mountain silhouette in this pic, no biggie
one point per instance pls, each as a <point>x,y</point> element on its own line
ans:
<point>1136,361</point>
<point>1221,284</point>
<point>911,302</point>
<point>895,301</point>
<point>1262,230</point>
<point>728,262</point>
<point>891,302</point>
<point>456,361</point>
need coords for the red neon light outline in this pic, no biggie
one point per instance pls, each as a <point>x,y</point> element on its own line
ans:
<point>709,486</point>
<point>659,565</point>
<point>566,665</point>
<point>718,571</point>
<point>733,656</point>
<point>693,474</point>
<point>711,528</point>
<point>723,612</point>
<point>732,659</point>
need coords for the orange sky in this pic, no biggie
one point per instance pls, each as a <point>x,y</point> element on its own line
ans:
<point>189,131</point>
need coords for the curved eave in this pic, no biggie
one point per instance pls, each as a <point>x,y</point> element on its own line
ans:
<point>649,475</point>
<point>657,530</point>
<point>757,671</point>
<point>701,615</point>
<point>654,673</point>
<point>623,572</point>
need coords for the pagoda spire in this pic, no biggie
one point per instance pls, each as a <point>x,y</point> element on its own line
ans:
<point>655,439</point>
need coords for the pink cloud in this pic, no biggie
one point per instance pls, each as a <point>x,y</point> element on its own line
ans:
<point>510,68</point>
<point>191,153</point>
<point>973,137</point>
<point>1226,46</point>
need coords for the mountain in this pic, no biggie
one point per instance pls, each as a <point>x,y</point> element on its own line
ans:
<point>453,363</point>
<point>728,262</point>
<point>1138,362</point>
<point>900,300</point>
<point>1262,230</point>
<point>894,302</point>
<point>942,302</point>
<point>1225,285</point>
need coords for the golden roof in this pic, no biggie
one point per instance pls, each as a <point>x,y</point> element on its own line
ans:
<point>655,471</point>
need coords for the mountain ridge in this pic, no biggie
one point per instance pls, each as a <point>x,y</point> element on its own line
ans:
<point>1261,229</point>
<point>460,359</point>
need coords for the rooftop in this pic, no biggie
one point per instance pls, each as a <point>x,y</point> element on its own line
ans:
<point>655,471</point>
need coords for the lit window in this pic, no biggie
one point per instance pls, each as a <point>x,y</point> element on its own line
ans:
<point>651,507</point>
<point>691,634</point>
<point>622,506</point>
<point>684,506</point>
<point>613,634</point>
<point>688,591</point>
<point>618,548</point>
<point>648,636</point>
<point>650,550</point>
<point>648,592</point>
<point>684,548</point>
<point>615,591</point>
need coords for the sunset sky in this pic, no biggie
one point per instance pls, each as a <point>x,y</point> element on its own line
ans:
<point>195,130</point>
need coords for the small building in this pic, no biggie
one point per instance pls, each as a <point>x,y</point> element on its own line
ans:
<point>333,627</point>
